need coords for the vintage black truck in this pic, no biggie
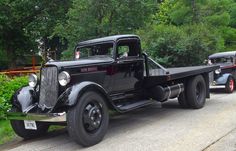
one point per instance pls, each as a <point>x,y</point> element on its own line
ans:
<point>225,76</point>
<point>109,73</point>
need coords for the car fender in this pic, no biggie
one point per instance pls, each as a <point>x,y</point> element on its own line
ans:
<point>71,95</point>
<point>222,80</point>
<point>23,98</point>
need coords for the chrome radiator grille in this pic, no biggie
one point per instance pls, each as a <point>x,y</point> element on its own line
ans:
<point>48,88</point>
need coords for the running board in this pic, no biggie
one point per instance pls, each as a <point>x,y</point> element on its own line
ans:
<point>131,106</point>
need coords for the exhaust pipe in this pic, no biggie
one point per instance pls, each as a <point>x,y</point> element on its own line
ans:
<point>162,94</point>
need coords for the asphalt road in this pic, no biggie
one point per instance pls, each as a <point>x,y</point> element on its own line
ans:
<point>164,127</point>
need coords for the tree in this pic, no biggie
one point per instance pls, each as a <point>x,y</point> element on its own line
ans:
<point>187,31</point>
<point>22,22</point>
<point>180,46</point>
<point>90,19</point>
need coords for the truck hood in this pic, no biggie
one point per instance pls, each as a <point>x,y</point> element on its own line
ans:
<point>81,62</point>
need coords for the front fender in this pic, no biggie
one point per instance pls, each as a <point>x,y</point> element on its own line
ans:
<point>222,80</point>
<point>70,96</point>
<point>23,98</point>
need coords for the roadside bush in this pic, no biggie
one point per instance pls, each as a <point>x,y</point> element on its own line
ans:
<point>175,46</point>
<point>8,86</point>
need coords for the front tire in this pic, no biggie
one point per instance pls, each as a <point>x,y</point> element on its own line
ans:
<point>196,92</point>
<point>19,128</point>
<point>229,87</point>
<point>87,122</point>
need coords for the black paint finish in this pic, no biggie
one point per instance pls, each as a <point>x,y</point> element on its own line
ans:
<point>120,80</point>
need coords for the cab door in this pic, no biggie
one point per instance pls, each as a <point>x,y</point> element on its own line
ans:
<point>128,66</point>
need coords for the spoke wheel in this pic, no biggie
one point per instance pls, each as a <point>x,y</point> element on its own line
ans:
<point>229,87</point>
<point>231,84</point>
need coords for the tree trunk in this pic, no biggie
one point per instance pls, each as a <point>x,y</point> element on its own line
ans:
<point>194,10</point>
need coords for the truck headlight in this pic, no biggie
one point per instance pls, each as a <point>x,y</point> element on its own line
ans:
<point>217,71</point>
<point>33,79</point>
<point>64,78</point>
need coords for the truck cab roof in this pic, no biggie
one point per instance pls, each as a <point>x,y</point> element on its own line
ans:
<point>223,54</point>
<point>106,39</point>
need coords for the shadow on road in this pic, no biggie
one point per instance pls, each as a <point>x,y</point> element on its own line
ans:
<point>119,123</point>
<point>217,90</point>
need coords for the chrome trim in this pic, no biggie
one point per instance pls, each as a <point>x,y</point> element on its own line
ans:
<point>46,117</point>
<point>217,86</point>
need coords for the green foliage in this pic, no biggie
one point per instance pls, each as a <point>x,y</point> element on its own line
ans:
<point>8,87</point>
<point>90,19</point>
<point>219,19</point>
<point>163,14</point>
<point>22,22</point>
<point>185,32</point>
<point>180,46</point>
<point>64,23</point>
<point>233,15</point>
<point>6,132</point>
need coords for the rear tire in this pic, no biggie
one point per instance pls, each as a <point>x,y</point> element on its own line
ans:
<point>19,128</point>
<point>196,92</point>
<point>230,85</point>
<point>182,100</point>
<point>87,122</point>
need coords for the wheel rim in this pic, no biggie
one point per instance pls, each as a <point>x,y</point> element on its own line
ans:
<point>231,85</point>
<point>92,116</point>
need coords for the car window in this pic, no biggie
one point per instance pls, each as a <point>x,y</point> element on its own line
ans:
<point>222,60</point>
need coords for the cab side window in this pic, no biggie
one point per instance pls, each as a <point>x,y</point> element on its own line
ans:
<point>128,49</point>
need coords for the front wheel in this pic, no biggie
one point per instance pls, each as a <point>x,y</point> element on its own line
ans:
<point>19,128</point>
<point>87,122</point>
<point>229,87</point>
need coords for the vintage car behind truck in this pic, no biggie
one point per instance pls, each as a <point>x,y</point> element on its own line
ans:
<point>109,73</point>
<point>225,76</point>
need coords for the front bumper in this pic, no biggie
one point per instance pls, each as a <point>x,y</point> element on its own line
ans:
<point>46,117</point>
<point>217,86</point>
<point>214,84</point>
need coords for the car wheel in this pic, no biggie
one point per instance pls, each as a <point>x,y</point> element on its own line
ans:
<point>87,122</point>
<point>229,87</point>
<point>19,128</point>
<point>196,92</point>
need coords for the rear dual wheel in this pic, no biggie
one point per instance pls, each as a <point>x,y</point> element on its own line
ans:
<point>194,95</point>
<point>87,122</point>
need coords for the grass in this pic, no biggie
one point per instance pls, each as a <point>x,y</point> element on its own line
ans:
<point>6,132</point>
<point>55,128</point>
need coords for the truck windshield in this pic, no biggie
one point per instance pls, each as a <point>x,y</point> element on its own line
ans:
<point>105,49</point>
